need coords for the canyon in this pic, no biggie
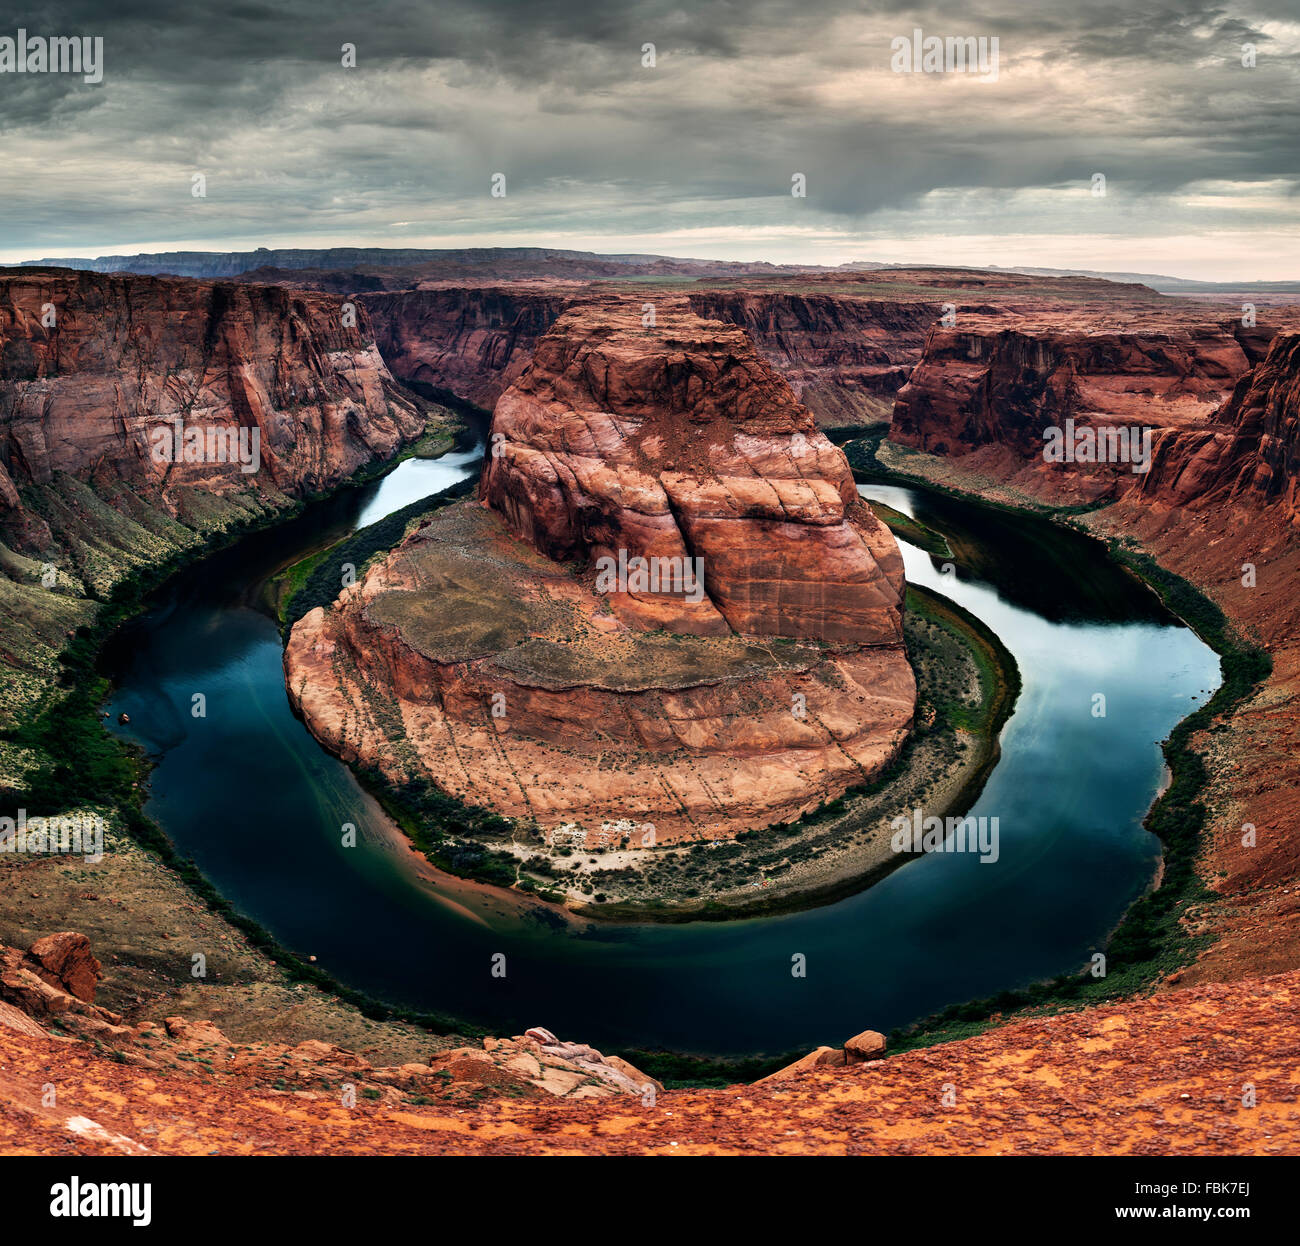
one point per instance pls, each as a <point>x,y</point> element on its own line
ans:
<point>663,441</point>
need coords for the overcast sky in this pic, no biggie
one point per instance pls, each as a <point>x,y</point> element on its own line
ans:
<point>691,157</point>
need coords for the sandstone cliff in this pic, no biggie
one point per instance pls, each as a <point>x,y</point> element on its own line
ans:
<point>91,367</point>
<point>469,341</point>
<point>1250,454</point>
<point>987,382</point>
<point>525,685</point>
<point>140,415</point>
<point>679,442</point>
<point>845,357</point>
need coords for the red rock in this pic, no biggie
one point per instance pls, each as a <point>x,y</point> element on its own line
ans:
<point>1250,454</point>
<point>863,1046</point>
<point>129,354</point>
<point>818,1058</point>
<point>990,381</point>
<point>67,962</point>
<point>844,356</point>
<point>471,341</point>
<point>675,443</point>
<point>680,442</point>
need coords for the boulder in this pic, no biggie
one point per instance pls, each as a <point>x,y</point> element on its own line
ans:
<point>864,1046</point>
<point>66,961</point>
<point>818,1058</point>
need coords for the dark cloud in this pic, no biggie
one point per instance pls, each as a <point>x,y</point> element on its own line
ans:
<point>552,93</point>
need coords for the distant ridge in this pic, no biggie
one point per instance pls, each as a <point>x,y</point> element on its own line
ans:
<point>509,263</point>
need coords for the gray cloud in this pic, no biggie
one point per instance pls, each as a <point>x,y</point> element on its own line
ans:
<point>551,92</point>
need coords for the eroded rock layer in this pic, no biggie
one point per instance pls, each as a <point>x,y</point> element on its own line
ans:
<point>95,368</point>
<point>1250,453</point>
<point>681,443</point>
<point>845,357</point>
<point>983,382</point>
<point>508,672</point>
<point>469,341</point>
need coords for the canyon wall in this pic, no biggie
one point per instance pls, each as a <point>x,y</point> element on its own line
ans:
<point>1250,454</point>
<point>983,382</point>
<point>844,357</point>
<point>470,341</point>
<point>95,373</point>
<point>94,368</point>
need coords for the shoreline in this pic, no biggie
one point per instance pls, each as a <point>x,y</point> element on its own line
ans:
<point>119,772</point>
<point>1149,931</point>
<point>846,871</point>
<point>786,867</point>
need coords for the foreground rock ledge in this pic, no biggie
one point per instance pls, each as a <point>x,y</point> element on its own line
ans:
<point>776,686</point>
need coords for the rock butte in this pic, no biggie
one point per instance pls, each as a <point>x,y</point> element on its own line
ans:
<point>785,684</point>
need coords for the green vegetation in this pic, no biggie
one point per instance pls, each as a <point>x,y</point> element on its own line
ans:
<point>445,829</point>
<point>998,672</point>
<point>912,530</point>
<point>315,580</point>
<point>82,765</point>
<point>679,1070</point>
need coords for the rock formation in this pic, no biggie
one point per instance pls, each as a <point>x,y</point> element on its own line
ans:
<point>1250,454</point>
<point>774,681</point>
<point>987,382</point>
<point>55,966</point>
<point>680,443</point>
<point>533,1065</point>
<point>96,370</point>
<point>844,356</point>
<point>469,341</point>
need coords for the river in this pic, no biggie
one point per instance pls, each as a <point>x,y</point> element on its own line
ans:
<point>258,804</point>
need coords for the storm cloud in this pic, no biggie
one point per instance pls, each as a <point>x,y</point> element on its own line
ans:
<point>693,156</point>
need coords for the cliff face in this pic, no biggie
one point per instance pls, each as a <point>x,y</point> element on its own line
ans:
<point>844,357</point>
<point>94,369</point>
<point>680,442</point>
<point>1250,455</point>
<point>471,341</point>
<point>538,680</point>
<point>138,414</point>
<point>983,383</point>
